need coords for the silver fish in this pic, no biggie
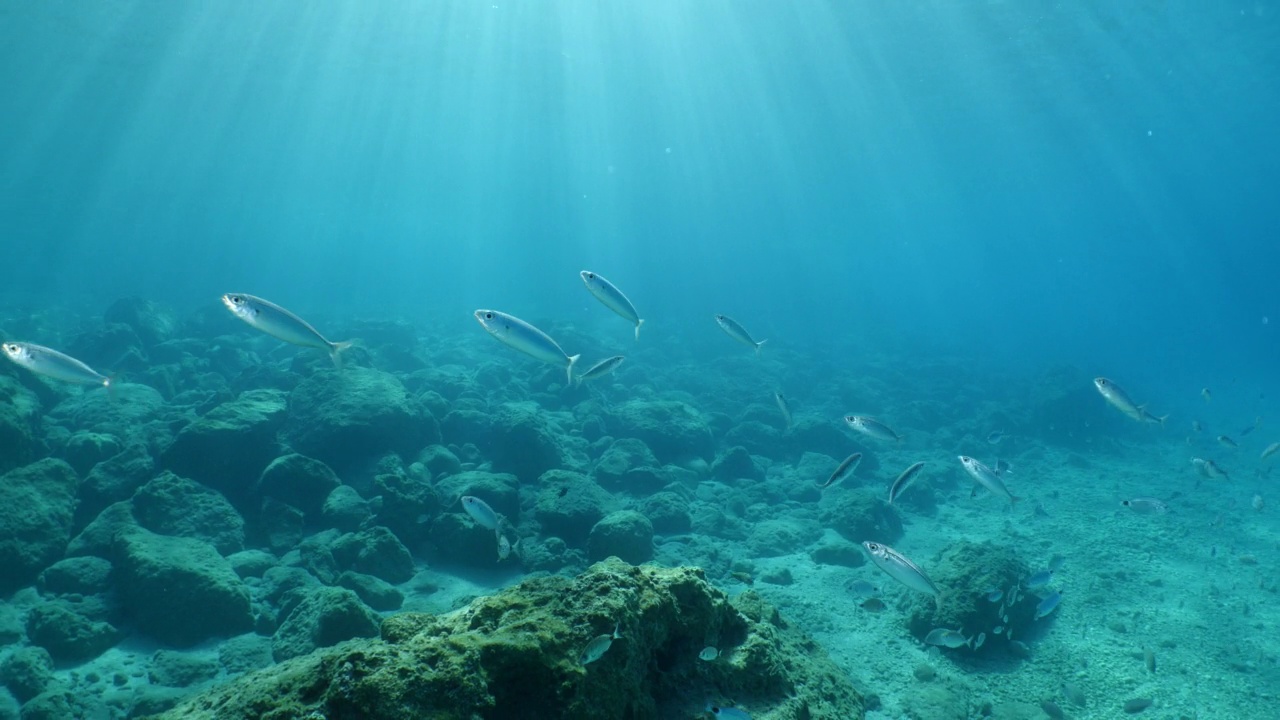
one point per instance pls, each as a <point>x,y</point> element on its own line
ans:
<point>1048,604</point>
<point>709,653</point>
<point>282,324</point>
<point>982,637</point>
<point>728,713</point>
<point>600,369</point>
<point>1146,506</point>
<point>862,588</point>
<point>737,332</point>
<point>1227,442</point>
<point>51,363</point>
<point>904,481</point>
<point>784,406</point>
<point>843,470</point>
<point>504,546</point>
<point>872,427</point>
<point>1119,399</point>
<point>898,567</point>
<point>1271,449</point>
<point>609,294</point>
<point>1039,580</point>
<point>987,478</point>
<point>995,436</point>
<point>598,646</point>
<point>943,637</point>
<point>1209,468</point>
<point>480,511</point>
<point>526,338</point>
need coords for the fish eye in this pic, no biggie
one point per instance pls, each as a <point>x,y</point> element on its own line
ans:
<point>591,275</point>
<point>237,299</point>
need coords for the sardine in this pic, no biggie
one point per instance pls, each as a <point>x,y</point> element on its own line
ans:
<point>526,338</point>
<point>904,481</point>
<point>479,510</point>
<point>1227,442</point>
<point>900,568</point>
<point>1272,449</point>
<point>1119,399</point>
<point>987,478</point>
<point>281,324</point>
<point>51,363</point>
<point>600,369</point>
<point>737,332</point>
<point>843,470</point>
<point>783,406</point>
<point>612,298</point>
<point>871,427</point>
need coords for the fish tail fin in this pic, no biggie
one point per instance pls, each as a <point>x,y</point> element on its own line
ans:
<point>760,345</point>
<point>336,350</point>
<point>638,324</point>
<point>573,359</point>
<point>617,630</point>
<point>1161,419</point>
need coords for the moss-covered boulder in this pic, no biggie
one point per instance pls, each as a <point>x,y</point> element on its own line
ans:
<point>19,418</point>
<point>516,654</point>
<point>172,505</point>
<point>228,448</point>
<point>68,634</point>
<point>569,504</point>
<point>325,616</point>
<point>523,442</point>
<point>626,534</point>
<point>298,480</point>
<point>673,430</point>
<point>113,480</point>
<point>861,514</point>
<point>36,506</point>
<point>86,575</point>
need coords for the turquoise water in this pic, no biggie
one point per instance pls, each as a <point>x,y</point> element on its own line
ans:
<point>950,215</point>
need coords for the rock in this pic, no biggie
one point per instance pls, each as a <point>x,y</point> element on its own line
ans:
<point>112,480</point>
<point>523,443</point>
<point>668,512</point>
<point>622,457</point>
<point>36,506</point>
<point>83,450</point>
<point>374,592</point>
<point>406,498</point>
<point>570,504</point>
<point>280,582</point>
<point>112,347</point>
<point>181,669</point>
<point>11,630</point>
<point>58,703</point>
<point>19,417</point>
<point>280,526</point>
<point>510,654</point>
<point>68,635</point>
<point>461,542</point>
<point>80,575</point>
<point>626,534</point>
<point>27,672</point>
<point>778,576</point>
<point>151,323</point>
<point>136,410</point>
<point>245,653</point>
<point>968,570</point>
<point>149,700</point>
<point>772,538</point>
<point>835,550</point>
<point>161,579</point>
<point>345,510</point>
<point>172,505</point>
<point>346,417</point>
<point>500,490</point>
<point>861,514</point>
<point>228,447</point>
<point>252,563</point>
<point>327,616</point>
<point>98,537</point>
<point>673,430</point>
<point>735,464</point>
<point>299,481</point>
<point>375,551</point>
<point>439,460</point>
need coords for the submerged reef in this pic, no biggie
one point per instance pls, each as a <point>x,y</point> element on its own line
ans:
<point>517,654</point>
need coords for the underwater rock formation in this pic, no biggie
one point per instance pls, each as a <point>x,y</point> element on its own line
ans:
<point>516,654</point>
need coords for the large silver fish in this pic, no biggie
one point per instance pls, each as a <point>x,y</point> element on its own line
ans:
<point>609,294</point>
<point>526,338</point>
<point>51,363</point>
<point>987,478</point>
<point>843,470</point>
<point>737,332</point>
<point>904,481</point>
<point>1121,401</point>
<point>900,568</point>
<point>282,324</point>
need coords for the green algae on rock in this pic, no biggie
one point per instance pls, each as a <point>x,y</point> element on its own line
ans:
<point>516,654</point>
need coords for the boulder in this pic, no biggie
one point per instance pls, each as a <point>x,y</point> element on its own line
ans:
<point>172,505</point>
<point>83,450</point>
<point>375,551</point>
<point>113,480</point>
<point>673,430</point>
<point>19,418</point>
<point>27,672</point>
<point>569,504</point>
<point>375,592</point>
<point>626,534</point>
<point>299,481</point>
<point>172,668</point>
<point>37,503</point>
<point>85,575</point>
<point>228,447</point>
<point>523,442</point>
<point>325,617</point>
<point>68,635</point>
<point>98,537</point>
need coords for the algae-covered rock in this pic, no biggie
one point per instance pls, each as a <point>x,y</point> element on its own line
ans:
<point>673,430</point>
<point>228,448</point>
<point>325,617</point>
<point>36,506</point>
<point>19,413</point>
<point>68,635</point>
<point>569,504</point>
<point>516,654</point>
<point>85,575</point>
<point>99,536</point>
<point>299,481</point>
<point>861,514</point>
<point>172,505</point>
<point>181,669</point>
<point>626,534</point>
<point>27,672</point>
<point>83,450</point>
<point>967,572</point>
<point>113,480</point>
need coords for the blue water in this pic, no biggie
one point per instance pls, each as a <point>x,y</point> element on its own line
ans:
<point>1023,185</point>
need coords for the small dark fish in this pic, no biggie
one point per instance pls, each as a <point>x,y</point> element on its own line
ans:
<point>1149,658</point>
<point>1228,442</point>
<point>843,470</point>
<point>862,588</point>
<point>1137,705</point>
<point>743,577</point>
<point>1256,422</point>
<point>904,481</point>
<point>995,437</point>
<point>1051,709</point>
<point>873,604</point>
<point>1073,694</point>
<point>1002,466</point>
<point>1206,395</point>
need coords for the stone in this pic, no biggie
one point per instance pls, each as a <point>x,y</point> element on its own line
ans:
<point>252,563</point>
<point>181,669</point>
<point>150,322</point>
<point>280,526</point>
<point>68,635</point>
<point>570,504</point>
<point>172,505</point>
<point>500,490</point>
<point>19,419</point>
<point>228,448</point>
<point>773,538</point>
<point>734,464</point>
<point>245,653</point>
<point>58,703</point>
<point>673,430</point>
<point>298,480</point>
<point>27,672</point>
<point>85,575</point>
<point>861,514</point>
<point>98,537</point>
<point>668,512</point>
<point>112,480</point>
<point>374,592</point>
<point>626,534</point>
<point>835,550</point>
<point>83,450</point>
<point>375,551</point>
<point>325,617</point>
<point>345,510</point>
<point>161,579</point>
<point>439,460</point>
<point>511,655</point>
<point>622,457</point>
<point>37,503</point>
<point>523,443</point>
<point>346,417</point>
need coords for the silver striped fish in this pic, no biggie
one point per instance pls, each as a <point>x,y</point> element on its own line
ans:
<point>737,332</point>
<point>609,294</point>
<point>987,478</point>
<point>526,338</point>
<point>900,568</point>
<point>600,369</point>
<point>843,470</point>
<point>51,363</point>
<point>282,324</point>
<point>904,481</point>
<point>872,427</point>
